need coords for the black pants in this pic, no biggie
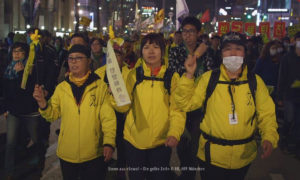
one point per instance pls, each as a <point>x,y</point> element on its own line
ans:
<point>211,172</point>
<point>148,164</point>
<point>91,170</point>
<point>188,145</point>
<point>121,160</point>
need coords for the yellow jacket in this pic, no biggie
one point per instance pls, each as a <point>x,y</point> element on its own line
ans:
<point>84,128</point>
<point>190,96</point>
<point>152,115</point>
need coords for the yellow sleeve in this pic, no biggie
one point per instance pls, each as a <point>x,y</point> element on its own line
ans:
<point>52,112</point>
<point>177,117</point>
<point>266,116</point>
<point>189,95</point>
<point>108,121</point>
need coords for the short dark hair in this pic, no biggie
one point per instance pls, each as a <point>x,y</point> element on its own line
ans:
<point>192,20</point>
<point>99,40</point>
<point>154,38</point>
<point>80,35</point>
<point>23,46</point>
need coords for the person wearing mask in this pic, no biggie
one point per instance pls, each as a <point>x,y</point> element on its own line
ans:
<point>286,43</point>
<point>97,55</point>
<point>88,123</point>
<point>153,124</point>
<point>267,66</point>
<point>235,103</point>
<point>289,95</point>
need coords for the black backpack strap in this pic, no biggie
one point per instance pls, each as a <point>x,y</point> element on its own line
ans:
<point>212,83</point>
<point>168,79</point>
<point>139,77</point>
<point>253,86</point>
<point>105,78</point>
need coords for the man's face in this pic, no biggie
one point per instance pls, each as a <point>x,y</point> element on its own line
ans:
<point>189,34</point>
<point>233,50</point>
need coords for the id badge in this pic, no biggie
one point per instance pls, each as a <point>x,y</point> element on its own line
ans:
<point>233,121</point>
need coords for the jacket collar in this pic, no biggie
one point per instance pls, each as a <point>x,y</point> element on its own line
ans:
<point>224,76</point>
<point>147,70</point>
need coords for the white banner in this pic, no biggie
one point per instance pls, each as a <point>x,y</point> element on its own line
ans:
<point>115,78</point>
<point>181,10</point>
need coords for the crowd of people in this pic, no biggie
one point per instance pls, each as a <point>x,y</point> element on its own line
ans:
<point>216,99</point>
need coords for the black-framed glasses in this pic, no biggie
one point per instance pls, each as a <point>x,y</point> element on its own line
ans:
<point>76,59</point>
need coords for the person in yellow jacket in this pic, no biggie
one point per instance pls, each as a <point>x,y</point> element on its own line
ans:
<point>226,145</point>
<point>153,124</point>
<point>88,123</point>
<point>118,46</point>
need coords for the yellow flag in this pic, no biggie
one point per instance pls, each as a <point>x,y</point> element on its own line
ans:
<point>29,65</point>
<point>160,16</point>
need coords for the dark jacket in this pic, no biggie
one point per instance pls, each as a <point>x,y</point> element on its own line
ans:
<point>268,71</point>
<point>288,73</point>
<point>20,101</point>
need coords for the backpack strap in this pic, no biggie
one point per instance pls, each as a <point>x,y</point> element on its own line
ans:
<point>212,83</point>
<point>168,79</point>
<point>253,86</point>
<point>139,77</point>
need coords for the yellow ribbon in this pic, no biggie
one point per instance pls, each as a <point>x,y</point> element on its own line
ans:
<point>29,65</point>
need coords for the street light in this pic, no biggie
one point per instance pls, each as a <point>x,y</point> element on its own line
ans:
<point>70,30</point>
<point>80,12</point>
<point>171,8</point>
<point>27,26</point>
<point>78,4</point>
<point>62,29</point>
<point>74,22</point>
<point>100,8</point>
<point>42,27</point>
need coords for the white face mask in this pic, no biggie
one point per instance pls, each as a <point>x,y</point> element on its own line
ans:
<point>298,44</point>
<point>233,63</point>
<point>273,52</point>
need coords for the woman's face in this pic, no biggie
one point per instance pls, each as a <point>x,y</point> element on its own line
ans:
<point>79,64</point>
<point>96,47</point>
<point>233,50</point>
<point>152,54</point>
<point>18,54</point>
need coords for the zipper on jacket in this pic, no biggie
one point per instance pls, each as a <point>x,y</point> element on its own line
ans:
<point>152,76</point>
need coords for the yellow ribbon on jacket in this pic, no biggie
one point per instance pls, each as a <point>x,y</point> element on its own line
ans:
<point>29,65</point>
